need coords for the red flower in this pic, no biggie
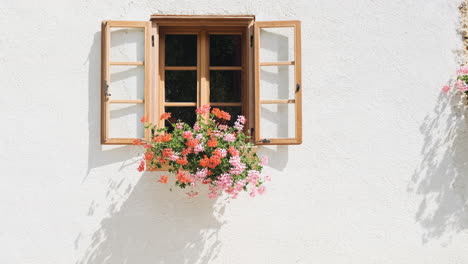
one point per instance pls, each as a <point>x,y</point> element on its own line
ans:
<point>147,146</point>
<point>234,152</point>
<point>212,143</point>
<point>163,179</point>
<point>167,152</point>
<point>210,162</point>
<point>165,116</point>
<point>142,166</point>
<point>144,119</point>
<point>221,114</point>
<point>191,143</point>
<point>149,155</point>
<point>137,142</point>
<point>182,177</point>
<point>203,110</point>
<point>182,161</point>
<point>186,151</point>
<point>166,138</point>
<point>206,181</point>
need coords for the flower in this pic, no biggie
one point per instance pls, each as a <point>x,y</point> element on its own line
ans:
<point>203,110</point>
<point>220,152</point>
<point>461,86</point>
<point>196,127</point>
<point>142,166</point>
<point>198,148</point>
<point>149,155</point>
<point>182,177</point>
<point>144,119</point>
<point>261,190</point>
<point>163,179</point>
<point>462,71</point>
<point>446,88</point>
<point>192,194</point>
<point>182,161</point>
<point>137,142</point>
<point>192,143</point>
<point>179,125</point>
<point>241,119</point>
<point>186,151</point>
<point>233,151</point>
<point>221,114</point>
<point>166,138</point>
<point>229,137</point>
<point>167,152</point>
<point>165,116</point>
<point>264,161</point>
<point>222,127</point>
<point>187,134</point>
<point>212,143</point>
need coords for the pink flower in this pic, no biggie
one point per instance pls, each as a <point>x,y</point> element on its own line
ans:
<point>203,110</point>
<point>198,148</point>
<point>267,178</point>
<point>445,88</point>
<point>173,157</point>
<point>142,166</point>
<point>179,125</point>
<point>462,71</point>
<point>461,86</point>
<point>222,127</point>
<point>196,127</point>
<point>187,134</point>
<point>199,136</point>
<point>229,137</point>
<point>238,126</point>
<point>241,119</point>
<point>192,194</point>
<point>261,190</point>
<point>264,161</point>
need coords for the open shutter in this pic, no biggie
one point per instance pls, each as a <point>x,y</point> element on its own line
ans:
<point>125,81</point>
<point>278,88</point>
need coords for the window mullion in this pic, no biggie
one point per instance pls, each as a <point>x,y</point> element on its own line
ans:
<point>204,88</point>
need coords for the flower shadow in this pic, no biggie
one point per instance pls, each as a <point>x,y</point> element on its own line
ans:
<point>147,223</point>
<point>442,177</point>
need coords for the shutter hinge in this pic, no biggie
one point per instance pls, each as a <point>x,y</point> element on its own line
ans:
<point>106,89</point>
<point>251,40</point>
<point>264,141</point>
<point>152,40</point>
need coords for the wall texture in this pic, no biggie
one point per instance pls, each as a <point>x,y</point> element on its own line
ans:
<point>381,177</point>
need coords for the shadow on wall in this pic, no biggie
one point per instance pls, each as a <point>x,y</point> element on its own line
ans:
<point>442,177</point>
<point>142,225</point>
<point>146,228</point>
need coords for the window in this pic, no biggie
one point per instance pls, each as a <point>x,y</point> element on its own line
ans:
<point>177,63</point>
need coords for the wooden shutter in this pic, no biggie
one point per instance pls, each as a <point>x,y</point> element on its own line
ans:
<point>278,87</point>
<point>125,81</point>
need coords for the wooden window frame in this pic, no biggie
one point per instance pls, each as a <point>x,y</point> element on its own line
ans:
<point>154,89</point>
<point>105,78</point>
<point>297,101</point>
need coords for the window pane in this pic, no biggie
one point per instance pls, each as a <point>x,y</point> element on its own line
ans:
<point>127,82</point>
<point>127,44</point>
<point>277,121</point>
<point>276,44</point>
<point>225,86</point>
<point>185,114</point>
<point>225,50</point>
<point>277,82</point>
<point>125,120</point>
<point>181,50</point>
<point>234,111</point>
<point>181,86</point>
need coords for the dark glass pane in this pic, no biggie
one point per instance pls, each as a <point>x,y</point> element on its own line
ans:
<point>181,50</point>
<point>185,114</point>
<point>234,111</point>
<point>225,50</point>
<point>225,86</point>
<point>181,86</point>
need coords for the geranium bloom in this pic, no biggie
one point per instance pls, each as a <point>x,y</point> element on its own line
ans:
<point>144,119</point>
<point>179,125</point>
<point>210,162</point>
<point>191,143</point>
<point>187,151</point>
<point>167,152</point>
<point>142,166</point>
<point>461,85</point>
<point>192,194</point>
<point>174,157</point>
<point>166,138</point>
<point>222,127</point>
<point>163,179</point>
<point>149,155</point>
<point>165,116</point>
<point>137,142</point>
<point>220,152</point>
<point>182,161</point>
<point>147,146</point>
<point>462,71</point>
<point>187,134</point>
<point>212,143</point>
<point>233,151</point>
<point>221,114</point>
<point>241,119</point>
<point>203,110</point>
<point>196,127</point>
<point>446,88</point>
<point>229,137</point>
<point>198,148</point>
<point>264,161</point>
<point>261,189</point>
<point>182,177</point>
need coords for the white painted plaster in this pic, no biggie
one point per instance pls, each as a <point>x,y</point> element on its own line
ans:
<point>381,176</point>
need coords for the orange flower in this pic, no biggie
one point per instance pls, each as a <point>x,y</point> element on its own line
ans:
<point>221,114</point>
<point>163,179</point>
<point>191,143</point>
<point>137,142</point>
<point>182,177</point>
<point>144,119</point>
<point>149,155</point>
<point>210,162</point>
<point>165,116</point>
<point>186,151</point>
<point>166,138</point>
<point>182,161</point>
<point>147,146</point>
<point>212,143</point>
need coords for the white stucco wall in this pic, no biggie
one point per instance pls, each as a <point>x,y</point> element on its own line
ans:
<point>381,177</point>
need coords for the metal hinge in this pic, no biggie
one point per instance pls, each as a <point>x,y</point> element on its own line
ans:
<point>264,141</point>
<point>106,89</point>
<point>152,40</point>
<point>251,40</point>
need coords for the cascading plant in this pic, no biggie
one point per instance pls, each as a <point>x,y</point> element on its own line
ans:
<point>209,152</point>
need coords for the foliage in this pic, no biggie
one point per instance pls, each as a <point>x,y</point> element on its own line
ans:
<point>210,152</point>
